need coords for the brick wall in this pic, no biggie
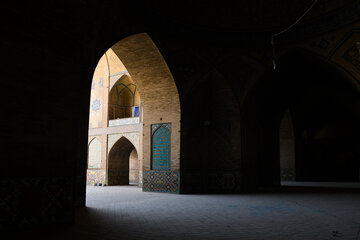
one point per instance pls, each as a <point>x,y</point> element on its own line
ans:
<point>135,60</point>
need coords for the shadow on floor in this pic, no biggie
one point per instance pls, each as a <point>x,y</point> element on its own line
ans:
<point>89,224</point>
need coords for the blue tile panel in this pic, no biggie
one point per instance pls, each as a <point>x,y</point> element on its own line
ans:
<point>95,105</point>
<point>136,111</point>
<point>161,146</point>
<point>154,181</point>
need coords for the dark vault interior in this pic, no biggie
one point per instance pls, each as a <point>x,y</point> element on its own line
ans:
<point>232,103</point>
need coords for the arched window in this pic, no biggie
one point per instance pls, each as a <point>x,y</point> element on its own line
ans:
<point>124,99</point>
<point>121,159</point>
<point>161,146</point>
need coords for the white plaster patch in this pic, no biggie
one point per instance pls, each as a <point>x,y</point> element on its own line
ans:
<point>94,154</point>
<point>114,78</point>
<point>123,121</point>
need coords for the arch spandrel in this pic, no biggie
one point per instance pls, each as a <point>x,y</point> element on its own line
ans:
<point>131,137</point>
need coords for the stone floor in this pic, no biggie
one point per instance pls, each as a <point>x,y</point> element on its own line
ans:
<point>125,212</point>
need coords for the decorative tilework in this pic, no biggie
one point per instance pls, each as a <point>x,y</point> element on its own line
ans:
<point>155,126</point>
<point>95,176</point>
<point>154,181</point>
<point>136,111</point>
<point>161,146</point>
<point>95,105</point>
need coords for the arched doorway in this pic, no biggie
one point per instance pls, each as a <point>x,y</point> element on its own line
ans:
<point>287,148</point>
<point>121,156</point>
<point>132,92</point>
<point>324,108</point>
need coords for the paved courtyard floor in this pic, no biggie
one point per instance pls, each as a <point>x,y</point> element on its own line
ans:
<point>125,212</point>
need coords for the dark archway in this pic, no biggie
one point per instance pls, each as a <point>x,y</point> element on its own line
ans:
<point>325,109</point>
<point>131,67</point>
<point>56,49</point>
<point>211,138</point>
<point>287,148</point>
<point>118,162</point>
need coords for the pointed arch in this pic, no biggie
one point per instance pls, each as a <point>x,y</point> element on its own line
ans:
<point>124,99</point>
<point>118,162</point>
<point>131,68</point>
<point>160,102</point>
<point>160,150</point>
<point>287,148</point>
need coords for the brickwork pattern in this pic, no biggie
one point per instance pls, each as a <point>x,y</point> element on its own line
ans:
<point>158,92</point>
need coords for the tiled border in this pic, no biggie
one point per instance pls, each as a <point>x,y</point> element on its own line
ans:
<point>157,181</point>
<point>95,176</point>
